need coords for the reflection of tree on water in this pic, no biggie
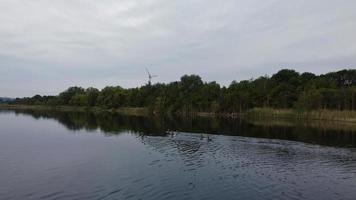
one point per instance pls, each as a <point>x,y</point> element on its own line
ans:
<point>110,123</point>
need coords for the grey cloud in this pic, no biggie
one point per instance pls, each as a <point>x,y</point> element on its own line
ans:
<point>54,44</point>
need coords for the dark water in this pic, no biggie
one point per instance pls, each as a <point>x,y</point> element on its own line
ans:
<point>57,155</point>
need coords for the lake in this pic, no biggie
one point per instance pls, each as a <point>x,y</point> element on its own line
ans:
<point>71,155</point>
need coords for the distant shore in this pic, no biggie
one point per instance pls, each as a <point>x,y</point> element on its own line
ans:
<point>256,113</point>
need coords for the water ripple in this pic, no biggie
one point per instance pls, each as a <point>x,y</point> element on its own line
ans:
<point>183,166</point>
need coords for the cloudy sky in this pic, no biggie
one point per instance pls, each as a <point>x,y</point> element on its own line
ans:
<point>49,45</point>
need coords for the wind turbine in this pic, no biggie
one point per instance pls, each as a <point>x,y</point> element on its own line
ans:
<point>150,76</point>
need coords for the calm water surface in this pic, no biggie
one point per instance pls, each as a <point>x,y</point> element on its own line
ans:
<point>54,155</point>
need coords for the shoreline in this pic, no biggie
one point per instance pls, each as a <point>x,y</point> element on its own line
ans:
<point>255,113</point>
<point>126,111</point>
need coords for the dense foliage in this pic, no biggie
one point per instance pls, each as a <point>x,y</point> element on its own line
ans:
<point>285,89</point>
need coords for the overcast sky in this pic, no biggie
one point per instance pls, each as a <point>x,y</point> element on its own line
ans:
<point>49,45</point>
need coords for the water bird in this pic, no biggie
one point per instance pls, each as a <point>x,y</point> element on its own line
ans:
<point>173,133</point>
<point>208,138</point>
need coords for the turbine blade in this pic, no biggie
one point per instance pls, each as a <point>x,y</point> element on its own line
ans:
<point>148,72</point>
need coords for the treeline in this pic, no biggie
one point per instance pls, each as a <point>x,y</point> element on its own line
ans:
<point>5,99</point>
<point>285,89</point>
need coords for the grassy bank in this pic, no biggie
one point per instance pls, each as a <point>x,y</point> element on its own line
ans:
<point>132,111</point>
<point>326,115</point>
<point>325,125</point>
